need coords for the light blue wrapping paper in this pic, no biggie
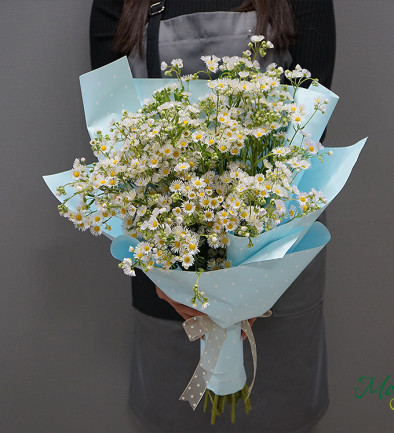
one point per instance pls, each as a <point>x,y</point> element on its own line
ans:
<point>259,275</point>
<point>229,375</point>
<point>240,292</point>
<point>235,294</point>
<point>106,92</point>
<point>318,123</point>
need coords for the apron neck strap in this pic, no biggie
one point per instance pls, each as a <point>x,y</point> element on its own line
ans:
<point>152,39</point>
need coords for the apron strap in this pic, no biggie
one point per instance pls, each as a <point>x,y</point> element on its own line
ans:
<point>152,42</point>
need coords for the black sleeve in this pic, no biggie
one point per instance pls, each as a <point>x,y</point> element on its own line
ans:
<point>104,19</point>
<point>314,48</point>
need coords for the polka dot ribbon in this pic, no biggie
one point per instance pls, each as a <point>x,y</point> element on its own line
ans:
<point>195,328</point>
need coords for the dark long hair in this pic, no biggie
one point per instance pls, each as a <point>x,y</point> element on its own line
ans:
<point>275,13</point>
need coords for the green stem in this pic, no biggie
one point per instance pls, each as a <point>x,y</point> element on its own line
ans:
<point>214,409</point>
<point>219,403</point>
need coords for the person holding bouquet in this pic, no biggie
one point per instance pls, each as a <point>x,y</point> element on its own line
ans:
<point>291,393</point>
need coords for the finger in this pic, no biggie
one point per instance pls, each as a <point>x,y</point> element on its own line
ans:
<point>251,321</point>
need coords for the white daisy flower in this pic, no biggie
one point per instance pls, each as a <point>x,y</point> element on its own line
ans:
<point>127,267</point>
<point>177,63</point>
<point>96,230</point>
<point>182,166</point>
<point>187,260</point>
<point>177,186</point>
<point>188,207</point>
<point>197,136</point>
<point>312,147</point>
<point>209,215</point>
<point>302,199</point>
<point>141,210</point>
<point>191,195</point>
<point>280,207</point>
<point>153,224</point>
<point>260,132</point>
<point>214,202</point>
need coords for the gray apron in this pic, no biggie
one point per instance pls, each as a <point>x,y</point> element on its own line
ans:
<point>202,34</point>
<point>290,393</point>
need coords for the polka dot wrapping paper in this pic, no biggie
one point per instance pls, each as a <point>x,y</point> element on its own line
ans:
<point>259,274</point>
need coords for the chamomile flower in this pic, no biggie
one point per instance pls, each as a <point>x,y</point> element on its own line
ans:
<point>177,186</point>
<point>197,136</point>
<point>209,215</point>
<point>280,207</point>
<point>279,190</point>
<point>127,266</point>
<point>213,241</point>
<point>191,247</point>
<point>188,207</point>
<point>192,195</point>
<point>257,38</point>
<point>153,224</point>
<point>197,182</point>
<point>141,210</point>
<point>260,178</point>
<point>187,260</point>
<point>214,202</point>
<point>224,241</point>
<point>96,229</point>
<point>302,199</point>
<point>182,166</point>
<point>260,132</point>
<point>211,62</point>
<point>312,147</point>
<point>177,63</point>
<point>280,151</point>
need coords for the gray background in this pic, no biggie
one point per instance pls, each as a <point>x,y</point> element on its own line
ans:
<point>65,307</point>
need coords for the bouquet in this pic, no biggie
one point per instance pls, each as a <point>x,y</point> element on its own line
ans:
<point>212,187</point>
